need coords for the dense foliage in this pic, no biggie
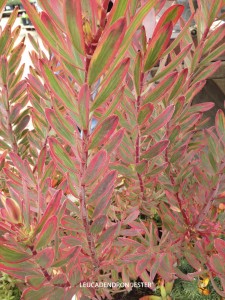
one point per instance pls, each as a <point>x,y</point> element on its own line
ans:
<point>117,179</point>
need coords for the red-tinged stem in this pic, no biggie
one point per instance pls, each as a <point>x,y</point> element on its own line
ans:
<point>48,276</point>
<point>173,184</point>
<point>82,197</point>
<point>208,205</point>
<point>137,158</point>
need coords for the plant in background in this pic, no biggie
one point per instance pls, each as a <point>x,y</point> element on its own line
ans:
<point>117,179</point>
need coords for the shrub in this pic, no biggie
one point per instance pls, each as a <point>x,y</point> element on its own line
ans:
<point>117,179</point>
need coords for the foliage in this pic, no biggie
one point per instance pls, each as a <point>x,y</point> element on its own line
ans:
<point>135,194</point>
<point>8,288</point>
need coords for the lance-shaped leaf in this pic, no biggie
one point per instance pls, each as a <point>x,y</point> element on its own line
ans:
<point>156,93</point>
<point>84,99</point>
<point>207,72</point>
<point>220,247</point>
<point>132,28</point>
<point>103,187</point>
<point>172,14</point>
<point>160,121</point>
<point>109,234</point>
<point>96,167</point>
<point>106,50</point>
<point>173,64</point>
<point>36,281</point>
<point>2,5</point>
<point>214,38</point>
<point>145,113</point>
<point>47,233</point>
<point>44,32</point>
<point>59,88</point>
<point>138,73</point>
<point>103,204</point>
<point>60,154</point>
<point>42,293</point>
<point>112,83</point>
<point>98,225</point>
<point>217,264</point>
<point>50,211</point>
<point>157,46</point>
<point>178,84</point>
<point>11,255</point>
<point>220,125</point>
<point>67,256</point>
<point>45,257</point>
<point>103,131</point>
<point>155,150</point>
<point>73,21</point>
<point>115,141</point>
<point>119,10</point>
<point>59,127</point>
<point>13,210</point>
<point>54,10</point>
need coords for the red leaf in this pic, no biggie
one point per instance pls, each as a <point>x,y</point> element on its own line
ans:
<point>47,233</point>
<point>73,19</point>
<point>172,14</point>
<point>109,234</point>
<point>155,150</point>
<point>103,187</point>
<point>51,210</point>
<point>96,167</point>
<point>160,121</point>
<point>103,131</point>
<point>115,141</point>
<point>220,247</point>
<point>157,46</point>
<point>106,50</point>
<point>45,257</point>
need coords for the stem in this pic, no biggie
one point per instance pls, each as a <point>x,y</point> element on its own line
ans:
<point>173,183</point>
<point>82,197</point>
<point>208,205</point>
<point>137,158</point>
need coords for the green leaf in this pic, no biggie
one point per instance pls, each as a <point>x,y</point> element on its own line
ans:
<point>98,225</point>
<point>59,127</point>
<point>11,255</point>
<point>109,234</point>
<point>106,50</point>
<point>59,88</point>
<point>160,121</point>
<point>155,150</point>
<point>132,28</point>
<point>45,33</point>
<point>145,113</point>
<point>103,131</point>
<point>119,10</point>
<point>96,167</point>
<point>207,72</point>
<point>60,154</point>
<point>157,46</point>
<point>112,83</point>
<point>173,64</point>
<point>137,73</point>
<point>47,233</point>
<point>42,293</point>
<point>103,187</point>
<point>161,88</point>
<point>220,125</point>
<point>73,19</point>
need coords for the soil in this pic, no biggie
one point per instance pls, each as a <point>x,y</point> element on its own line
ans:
<point>135,294</point>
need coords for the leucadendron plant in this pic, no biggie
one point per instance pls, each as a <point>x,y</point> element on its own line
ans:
<point>116,180</point>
